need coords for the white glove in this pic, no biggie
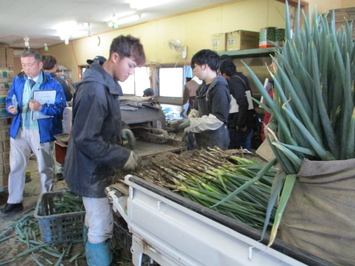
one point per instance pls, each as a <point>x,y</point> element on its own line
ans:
<point>210,122</point>
<point>193,113</point>
<point>133,162</point>
<point>185,123</point>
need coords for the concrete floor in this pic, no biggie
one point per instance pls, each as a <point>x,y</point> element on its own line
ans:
<point>13,247</point>
<point>31,195</point>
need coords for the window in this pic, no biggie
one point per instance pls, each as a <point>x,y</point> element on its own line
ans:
<point>142,80</point>
<point>128,85</point>
<point>171,82</point>
<point>137,83</point>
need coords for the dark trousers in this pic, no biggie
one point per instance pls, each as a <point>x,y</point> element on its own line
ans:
<point>191,141</point>
<point>240,139</point>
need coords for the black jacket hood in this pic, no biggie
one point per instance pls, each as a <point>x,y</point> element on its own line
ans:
<point>96,73</point>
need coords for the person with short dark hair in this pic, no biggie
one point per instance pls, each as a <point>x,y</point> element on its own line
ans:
<point>209,117</point>
<point>97,58</point>
<point>241,121</point>
<point>28,133</point>
<point>50,67</point>
<point>149,92</point>
<point>95,146</point>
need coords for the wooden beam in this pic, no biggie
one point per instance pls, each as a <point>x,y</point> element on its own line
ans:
<point>294,3</point>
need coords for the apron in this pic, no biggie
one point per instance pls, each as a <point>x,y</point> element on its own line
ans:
<point>210,138</point>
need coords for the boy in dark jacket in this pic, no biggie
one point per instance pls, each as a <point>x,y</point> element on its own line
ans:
<point>209,117</point>
<point>94,148</point>
<point>241,122</point>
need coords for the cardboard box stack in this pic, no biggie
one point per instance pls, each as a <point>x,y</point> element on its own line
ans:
<point>5,83</point>
<point>219,42</point>
<point>6,57</point>
<point>6,76</point>
<point>5,123</point>
<point>235,40</point>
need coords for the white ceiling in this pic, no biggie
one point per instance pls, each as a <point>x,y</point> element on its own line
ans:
<point>37,19</point>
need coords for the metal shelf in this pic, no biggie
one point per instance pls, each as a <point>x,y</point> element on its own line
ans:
<point>259,52</point>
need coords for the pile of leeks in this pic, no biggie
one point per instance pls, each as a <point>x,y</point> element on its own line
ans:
<point>240,188</point>
<point>313,115</point>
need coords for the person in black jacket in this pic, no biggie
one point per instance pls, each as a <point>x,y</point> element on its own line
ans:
<point>209,117</point>
<point>95,146</point>
<point>148,92</point>
<point>241,121</point>
<point>50,67</point>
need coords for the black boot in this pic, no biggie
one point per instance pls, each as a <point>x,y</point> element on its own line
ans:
<point>12,208</point>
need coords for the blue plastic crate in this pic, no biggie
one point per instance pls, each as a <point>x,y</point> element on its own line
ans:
<point>57,228</point>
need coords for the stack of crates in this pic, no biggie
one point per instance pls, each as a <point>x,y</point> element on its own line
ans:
<point>6,77</point>
<point>5,123</point>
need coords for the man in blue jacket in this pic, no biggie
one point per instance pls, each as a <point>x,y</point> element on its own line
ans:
<point>94,149</point>
<point>28,133</point>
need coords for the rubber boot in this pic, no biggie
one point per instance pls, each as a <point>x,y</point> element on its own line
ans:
<point>98,254</point>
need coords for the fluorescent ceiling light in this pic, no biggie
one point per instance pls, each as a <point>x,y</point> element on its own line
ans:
<point>127,19</point>
<point>142,4</point>
<point>67,26</point>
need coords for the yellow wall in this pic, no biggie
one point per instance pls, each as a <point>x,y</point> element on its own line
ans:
<point>347,3</point>
<point>194,29</point>
<point>323,6</point>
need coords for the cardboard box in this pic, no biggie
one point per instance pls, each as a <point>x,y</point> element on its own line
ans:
<point>4,88</point>
<point>242,39</point>
<point>10,74</point>
<point>6,75</point>
<point>219,42</point>
<point>4,134</point>
<point>6,157</point>
<point>3,112</point>
<point>265,151</point>
<point>3,99</point>
<point>6,168</point>
<point>6,146</point>
<point>4,180</point>
<point>5,122</point>
<point>2,57</point>
<point>10,57</point>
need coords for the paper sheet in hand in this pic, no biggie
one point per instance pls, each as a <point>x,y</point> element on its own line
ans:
<point>14,101</point>
<point>43,97</point>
